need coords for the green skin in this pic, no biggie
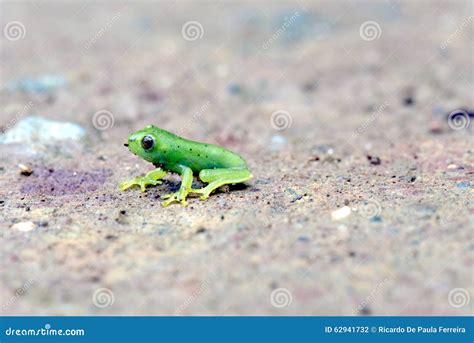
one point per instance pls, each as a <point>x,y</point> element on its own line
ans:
<point>170,153</point>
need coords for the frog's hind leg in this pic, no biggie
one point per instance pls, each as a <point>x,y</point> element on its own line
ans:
<point>220,177</point>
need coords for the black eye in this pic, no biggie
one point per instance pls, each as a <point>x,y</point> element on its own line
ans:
<point>147,142</point>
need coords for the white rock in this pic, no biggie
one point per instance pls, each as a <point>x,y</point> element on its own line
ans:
<point>341,213</point>
<point>24,226</point>
<point>277,142</point>
<point>33,130</point>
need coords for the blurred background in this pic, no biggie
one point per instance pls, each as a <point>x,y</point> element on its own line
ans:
<point>355,118</point>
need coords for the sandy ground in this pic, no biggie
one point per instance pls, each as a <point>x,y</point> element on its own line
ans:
<point>335,105</point>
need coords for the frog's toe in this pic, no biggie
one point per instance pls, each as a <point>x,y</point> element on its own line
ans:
<point>152,183</point>
<point>123,186</point>
<point>175,197</point>
<point>167,196</point>
<point>170,199</point>
<point>166,203</point>
<point>204,196</point>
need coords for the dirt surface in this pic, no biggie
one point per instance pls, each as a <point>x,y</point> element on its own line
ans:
<point>361,202</point>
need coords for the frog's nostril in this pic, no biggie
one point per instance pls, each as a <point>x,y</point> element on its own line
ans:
<point>126,144</point>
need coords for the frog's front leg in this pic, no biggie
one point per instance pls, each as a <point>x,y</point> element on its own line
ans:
<point>186,183</point>
<point>150,178</point>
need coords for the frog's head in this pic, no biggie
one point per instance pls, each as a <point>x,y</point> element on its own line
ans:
<point>144,143</point>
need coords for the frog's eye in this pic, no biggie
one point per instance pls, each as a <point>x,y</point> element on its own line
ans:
<point>148,142</point>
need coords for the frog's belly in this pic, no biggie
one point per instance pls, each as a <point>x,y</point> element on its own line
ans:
<point>198,164</point>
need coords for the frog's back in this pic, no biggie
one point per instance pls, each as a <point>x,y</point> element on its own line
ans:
<point>197,155</point>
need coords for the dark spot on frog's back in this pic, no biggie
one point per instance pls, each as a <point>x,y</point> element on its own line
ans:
<point>64,181</point>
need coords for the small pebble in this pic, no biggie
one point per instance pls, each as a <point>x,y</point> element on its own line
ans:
<point>25,170</point>
<point>303,239</point>
<point>43,223</point>
<point>323,149</point>
<point>310,87</point>
<point>374,160</point>
<point>463,184</point>
<point>296,196</point>
<point>24,226</point>
<point>341,213</point>
<point>277,142</point>
<point>409,96</point>
<point>273,285</point>
<point>408,178</point>
<point>201,230</point>
<point>436,128</point>
<point>234,89</point>
<point>408,101</point>
<point>122,217</point>
<point>365,311</point>
<point>376,219</point>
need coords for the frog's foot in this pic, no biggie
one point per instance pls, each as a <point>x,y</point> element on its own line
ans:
<point>179,196</point>
<point>204,191</point>
<point>151,178</point>
<point>220,177</point>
